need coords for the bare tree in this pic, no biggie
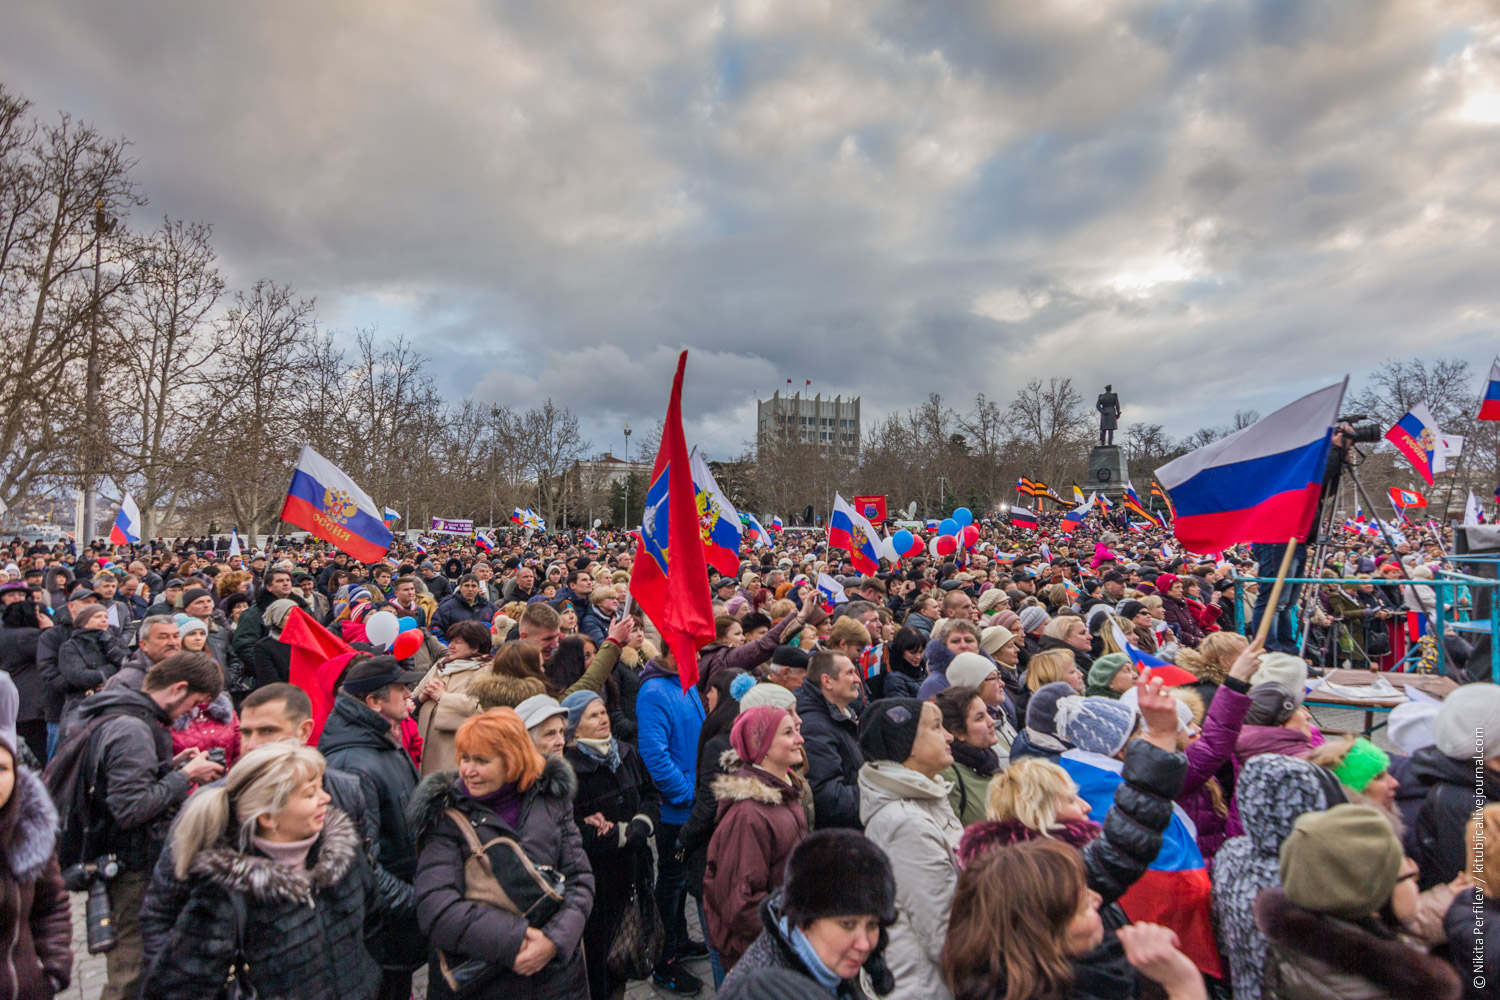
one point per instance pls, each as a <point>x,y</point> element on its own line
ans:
<point>553,445</point>
<point>985,427</point>
<point>1050,428</point>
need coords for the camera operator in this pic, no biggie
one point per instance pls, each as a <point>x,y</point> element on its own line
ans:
<point>135,786</point>
<point>1281,638</point>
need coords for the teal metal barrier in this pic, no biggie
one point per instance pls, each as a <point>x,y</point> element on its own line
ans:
<point>1452,587</point>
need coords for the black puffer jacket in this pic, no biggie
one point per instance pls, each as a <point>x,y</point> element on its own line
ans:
<point>1436,839</point>
<point>620,795</point>
<point>18,648</point>
<point>85,661</point>
<point>1084,660</point>
<point>304,930</point>
<point>831,746</point>
<point>357,740</point>
<point>458,927</point>
<point>36,933</point>
<point>772,950</point>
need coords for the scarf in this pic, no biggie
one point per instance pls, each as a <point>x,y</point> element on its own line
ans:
<point>982,762</point>
<point>292,853</point>
<point>505,802</point>
<point>606,752</point>
<point>826,977</point>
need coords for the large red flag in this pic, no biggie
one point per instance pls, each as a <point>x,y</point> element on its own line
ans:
<point>312,645</point>
<point>670,576</point>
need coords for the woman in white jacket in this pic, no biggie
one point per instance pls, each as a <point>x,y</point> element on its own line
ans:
<point>903,804</point>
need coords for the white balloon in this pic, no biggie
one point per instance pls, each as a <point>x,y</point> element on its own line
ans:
<point>381,629</point>
<point>932,547</point>
<point>888,548</point>
<point>597,522</point>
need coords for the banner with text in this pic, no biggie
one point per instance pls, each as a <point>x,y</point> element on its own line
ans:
<point>444,526</point>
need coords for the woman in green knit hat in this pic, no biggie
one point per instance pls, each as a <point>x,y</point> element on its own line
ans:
<point>1111,676</point>
<point>1362,768</point>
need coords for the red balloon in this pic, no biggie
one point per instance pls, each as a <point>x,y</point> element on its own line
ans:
<point>971,536</point>
<point>407,643</point>
<point>946,545</point>
<point>917,545</point>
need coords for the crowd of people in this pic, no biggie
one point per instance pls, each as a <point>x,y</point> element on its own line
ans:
<point>957,783</point>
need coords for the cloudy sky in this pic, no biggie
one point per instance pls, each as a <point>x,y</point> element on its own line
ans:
<point>1211,205</point>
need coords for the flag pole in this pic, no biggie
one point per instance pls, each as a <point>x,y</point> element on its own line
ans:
<point>1271,606</point>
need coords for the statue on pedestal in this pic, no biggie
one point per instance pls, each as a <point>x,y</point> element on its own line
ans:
<point>1108,405</point>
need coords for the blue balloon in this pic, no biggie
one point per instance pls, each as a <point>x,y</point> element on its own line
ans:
<point>407,622</point>
<point>903,541</point>
<point>948,527</point>
<point>964,517</point>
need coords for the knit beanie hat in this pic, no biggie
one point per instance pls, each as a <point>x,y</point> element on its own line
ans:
<point>1362,764</point>
<point>991,598</point>
<point>1285,669</point>
<point>189,596</point>
<point>1033,619</point>
<point>993,639</point>
<point>767,693</point>
<point>87,612</point>
<point>754,730</point>
<point>187,623</point>
<point>1410,726</point>
<point>970,670</point>
<point>576,704</point>
<point>1164,582</point>
<point>1270,705</point>
<point>1471,709</point>
<point>1129,609</point>
<point>10,706</point>
<point>1103,673</point>
<point>1096,725</point>
<point>1041,710</point>
<point>888,728</point>
<point>838,873</point>
<point>1342,862</point>
<point>277,612</point>
<point>1007,618</point>
<point>1132,700</point>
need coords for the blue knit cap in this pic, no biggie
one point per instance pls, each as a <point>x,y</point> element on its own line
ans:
<point>1096,725</point>
<point>576,703</point>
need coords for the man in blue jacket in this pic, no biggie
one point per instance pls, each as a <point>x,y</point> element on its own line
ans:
<point>669,720</point>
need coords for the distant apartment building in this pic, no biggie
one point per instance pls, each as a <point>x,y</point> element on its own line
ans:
<point>832,424</point>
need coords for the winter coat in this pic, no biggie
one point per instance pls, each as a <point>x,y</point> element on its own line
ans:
<point>717,656</point>
<point>1221,731</point>
<point>595,624</point>
<point>971,787</point>
<point>251,627</point>
<point>35,922</point>
<point>438,721</point>
<point>831,748</point>
<point>85,661</point>
<point>716,760</point>
<point>18,648</point>
<point>1313,956</point>
<point>454,609</point>
<point>1460,923</point>
<point>669,720</point>
<point>921,623</point>
<point>1436,841</point>
<point>907,815</point>
<point>937,657</point>
<point>132,673</point>
<point>1082,659</point>
<point>47,648</point>
<point>303,931</point>
<point>760,820</point>
<point>213,725</point>
<point>1180,617</point>
<point>130,758</point>
<point>1256,740</point>
<point>772,949</point>
<point>548,836</point>
<point>271,661</point>
<point>1025,745</point>
<point>1116,855</point>
<point>1273,792</point>
<point>620,795</point>
<point>358,740</point>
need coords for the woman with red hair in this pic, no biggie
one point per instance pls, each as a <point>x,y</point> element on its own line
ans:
<point>503,788</point>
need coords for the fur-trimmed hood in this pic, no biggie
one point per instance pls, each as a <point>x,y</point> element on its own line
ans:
<point>442,791</point>
<point>494,690</point>
<point>1352,951</point>
<point>36,828</point>
<point>987,833</point>
<point>269,881</point>
<point>751,784</point>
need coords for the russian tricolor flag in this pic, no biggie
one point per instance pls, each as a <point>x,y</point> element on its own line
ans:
<point>325,502</point>
<point>717,518</point>
<point>776,523</point>
<point>1175,891</point>
<point>1021,517</point>
<point>1489,407</point>
<point>483,542</point>
<point>1074,517</point>
<point>1260,484</point>
<point>127,528</point>
<point>832,591</point>
<point>1416,436</point>
<point>849,531</point>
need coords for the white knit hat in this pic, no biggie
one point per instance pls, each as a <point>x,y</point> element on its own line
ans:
<point>1468,723</point>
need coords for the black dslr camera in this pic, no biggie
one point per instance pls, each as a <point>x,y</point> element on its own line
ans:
<point>1361,429</point>
<point>94,877</point>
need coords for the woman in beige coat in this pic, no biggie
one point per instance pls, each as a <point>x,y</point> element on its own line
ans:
<point>442,696</point>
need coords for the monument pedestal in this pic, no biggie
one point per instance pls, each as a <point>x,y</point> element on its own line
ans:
<point>1108,472</point>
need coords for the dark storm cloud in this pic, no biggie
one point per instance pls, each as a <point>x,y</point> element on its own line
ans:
<point>1214,206</point>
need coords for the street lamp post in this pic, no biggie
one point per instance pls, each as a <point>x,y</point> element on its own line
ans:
<point>626,525</point>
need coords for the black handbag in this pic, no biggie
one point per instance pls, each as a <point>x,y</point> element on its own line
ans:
<point>498,873</point>
<point>639,940</point>
<point>237,984</point>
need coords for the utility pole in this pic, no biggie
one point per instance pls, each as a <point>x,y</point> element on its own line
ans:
<point>626,525</point>
<point>103,226</point>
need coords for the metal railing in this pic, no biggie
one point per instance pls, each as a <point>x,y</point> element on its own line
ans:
<point>1454,595</point>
